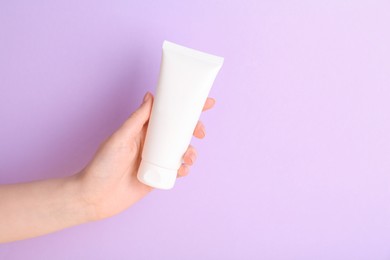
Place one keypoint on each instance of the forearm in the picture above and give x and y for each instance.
(36, 208)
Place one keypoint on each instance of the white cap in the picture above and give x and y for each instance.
(155, 176)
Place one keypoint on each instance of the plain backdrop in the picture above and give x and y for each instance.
(296, 162)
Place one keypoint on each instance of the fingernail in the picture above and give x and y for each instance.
(192, 158)
(186, 170)
(203, 132)
(146, 97)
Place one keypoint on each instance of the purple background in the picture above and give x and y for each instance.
(296, 163)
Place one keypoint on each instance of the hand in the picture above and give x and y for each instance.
(109, 182)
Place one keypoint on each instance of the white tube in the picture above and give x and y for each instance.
(186, 77)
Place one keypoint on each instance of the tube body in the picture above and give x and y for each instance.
(185, 80)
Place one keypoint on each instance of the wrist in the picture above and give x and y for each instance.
(85, 211)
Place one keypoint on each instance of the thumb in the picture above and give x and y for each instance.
(134, 124)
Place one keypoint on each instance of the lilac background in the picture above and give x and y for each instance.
(296, 164)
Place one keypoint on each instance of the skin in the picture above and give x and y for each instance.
(105, 187)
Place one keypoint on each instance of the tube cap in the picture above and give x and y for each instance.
(155, 176)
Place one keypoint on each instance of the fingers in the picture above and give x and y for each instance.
(188, 160)
(210, 102)
(200, 130)
(183, 170)
(133, 125)
(189, 156)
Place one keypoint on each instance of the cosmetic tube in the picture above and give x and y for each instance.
(185, 80)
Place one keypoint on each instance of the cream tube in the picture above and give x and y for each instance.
(186, 77)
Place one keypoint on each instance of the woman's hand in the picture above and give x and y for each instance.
(105, 187)
(109, 182)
